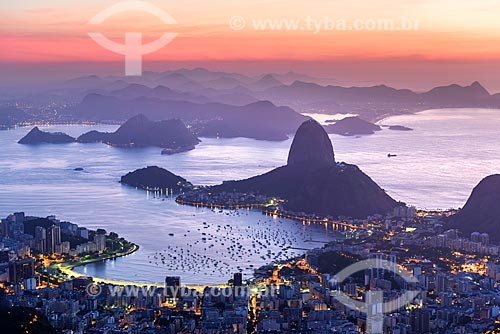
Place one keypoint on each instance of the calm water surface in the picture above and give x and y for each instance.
(437, 166)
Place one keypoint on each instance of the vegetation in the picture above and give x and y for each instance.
(22, 320)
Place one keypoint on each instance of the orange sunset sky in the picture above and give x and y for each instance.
(456, 41)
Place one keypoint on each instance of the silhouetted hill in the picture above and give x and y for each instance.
(481, 213)
(259, 120)
(135, 91)
(352, 126)
(311, 147)
(376, 102)
(311, 92)
(313, 183)
(179, 82)
(207, 98)
(266, 82)
(153, 177)
(290, 77)
(36, 136)
(456, 93)
(237, 96)
(224, 82)
(139, 131)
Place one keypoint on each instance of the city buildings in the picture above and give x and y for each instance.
(456, 279)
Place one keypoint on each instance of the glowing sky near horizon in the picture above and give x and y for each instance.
(54, 31)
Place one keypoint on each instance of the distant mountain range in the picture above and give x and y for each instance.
(299, 92)
(222, 104)
(259, 120)
(374, 103)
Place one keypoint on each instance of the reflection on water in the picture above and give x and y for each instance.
(437, 166)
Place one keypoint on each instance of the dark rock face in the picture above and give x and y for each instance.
(139, 131)
(36, 136)
(352, 126)
(154, 177)
(342, 190)
(322, 187)
(481, 213)
(311, 147)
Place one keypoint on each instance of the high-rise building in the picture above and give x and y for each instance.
(485, 239)
(17, 217)
(173, 286)
(100, 241)
(65, 246)
(83, 232)
(475, 236)
(441, 283)
(420, 321)
(40, 239)
(53, 238)
(19, 270)
(381, 267)
(5, 228)
(238, 279)
(14, 227)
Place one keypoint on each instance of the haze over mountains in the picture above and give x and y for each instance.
(222, 104)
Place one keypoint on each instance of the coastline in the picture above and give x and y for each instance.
(67, 267)
(385, 117)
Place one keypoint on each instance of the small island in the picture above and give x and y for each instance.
(399, 128)
(156, 178)
(139, 131)
(352, 126)
(37, 136)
